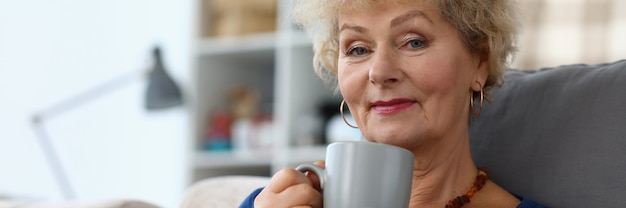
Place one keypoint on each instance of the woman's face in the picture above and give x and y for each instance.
(405, 73)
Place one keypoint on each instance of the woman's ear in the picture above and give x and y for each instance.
(482, 71)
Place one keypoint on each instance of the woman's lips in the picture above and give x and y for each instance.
(392, 106)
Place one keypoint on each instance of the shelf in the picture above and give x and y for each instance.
(232, 159)
(248, 43)
(299, 155)
(240, 44)
(278, 65)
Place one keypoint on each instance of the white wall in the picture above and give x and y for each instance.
(111, 147)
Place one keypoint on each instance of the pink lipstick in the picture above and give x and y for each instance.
(392, 106)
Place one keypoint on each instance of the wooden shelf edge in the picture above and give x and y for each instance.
(232, 159)
(236, 44)
(248, 43)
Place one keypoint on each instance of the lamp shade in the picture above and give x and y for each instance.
(162, 91)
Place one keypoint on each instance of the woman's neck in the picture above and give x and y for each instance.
(442, 172)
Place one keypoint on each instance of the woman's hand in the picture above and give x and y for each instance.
(290, 188)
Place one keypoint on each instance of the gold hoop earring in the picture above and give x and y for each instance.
(343, 116)
(480, 107)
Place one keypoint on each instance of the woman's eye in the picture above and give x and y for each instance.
(357, 51)
(416, 43)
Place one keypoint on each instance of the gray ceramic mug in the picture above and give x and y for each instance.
(364, 175)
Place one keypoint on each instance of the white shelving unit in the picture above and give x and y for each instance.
(279, 65)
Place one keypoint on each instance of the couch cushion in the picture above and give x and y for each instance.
(557, 135)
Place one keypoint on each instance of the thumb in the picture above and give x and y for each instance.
(320, 163)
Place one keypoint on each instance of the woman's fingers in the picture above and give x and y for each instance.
(301, 194)
(289, 188)
(286, 178)
(314, 177)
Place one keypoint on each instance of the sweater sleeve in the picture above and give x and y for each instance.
(528, 203)
(249, 201)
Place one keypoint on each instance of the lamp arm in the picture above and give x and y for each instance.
(55, 110)
(89, 94)
(52, 158)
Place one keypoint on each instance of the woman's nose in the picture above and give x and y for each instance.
(384, 70)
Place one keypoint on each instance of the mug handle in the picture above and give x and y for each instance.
(320, 172)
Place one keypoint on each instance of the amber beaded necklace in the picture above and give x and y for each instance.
(481, 179)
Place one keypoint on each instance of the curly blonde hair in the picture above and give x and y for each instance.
(486, 26)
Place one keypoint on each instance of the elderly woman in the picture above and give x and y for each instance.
(410, 71)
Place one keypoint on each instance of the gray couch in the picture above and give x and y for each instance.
(557, 135)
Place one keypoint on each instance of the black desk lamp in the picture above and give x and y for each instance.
(161, 93)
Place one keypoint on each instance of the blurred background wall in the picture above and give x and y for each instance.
(557, 32)
(110, 146)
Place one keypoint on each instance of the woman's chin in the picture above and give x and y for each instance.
(395, 141)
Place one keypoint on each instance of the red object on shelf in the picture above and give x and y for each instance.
(218, 133)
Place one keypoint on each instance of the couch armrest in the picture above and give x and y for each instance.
(224, 191)
(114, 203)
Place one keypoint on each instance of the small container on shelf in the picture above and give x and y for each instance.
(251, 130)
